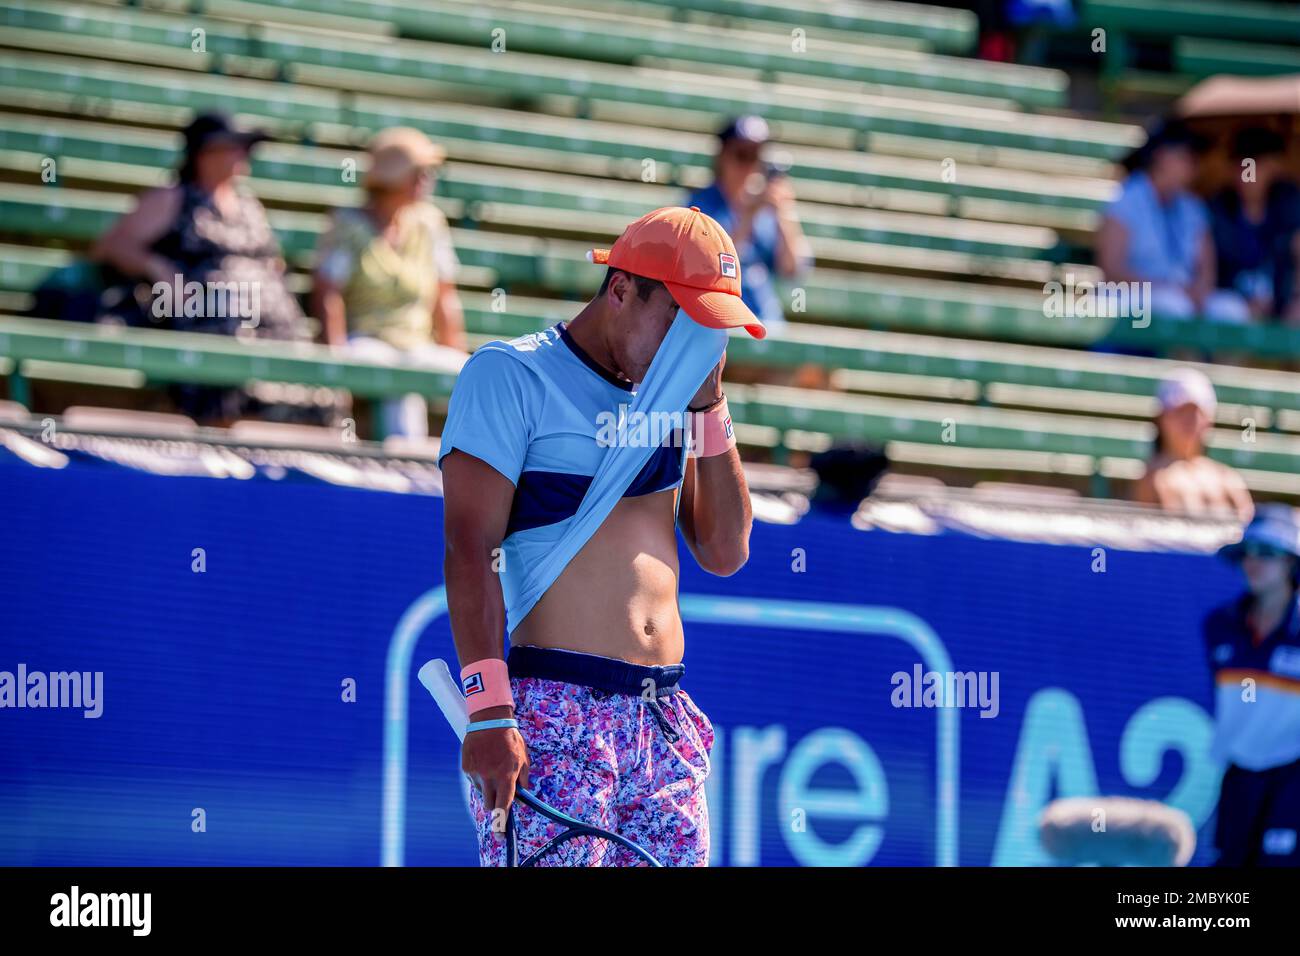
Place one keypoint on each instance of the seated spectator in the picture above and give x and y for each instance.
(208, 230)
(1256, 225)
(1179, 476)
(754, 202)
(385, 284)
(1158, 232)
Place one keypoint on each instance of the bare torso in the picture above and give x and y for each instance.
(1196, 486)
(618, 596)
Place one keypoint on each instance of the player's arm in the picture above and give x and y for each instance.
(477, 501)
(714, 513)
(484, 443)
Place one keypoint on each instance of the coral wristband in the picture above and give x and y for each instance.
(712, 432)
(486, 683)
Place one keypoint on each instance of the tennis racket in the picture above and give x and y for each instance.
(576, 843)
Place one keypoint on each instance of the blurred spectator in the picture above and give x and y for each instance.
(385, 284)
(205, 233)
(1035, 23)
(1256, 225)
(1058, 13)
(1257, 725)
(1179, 475)
(1017, 30)
(1157, 231)
(754, 201)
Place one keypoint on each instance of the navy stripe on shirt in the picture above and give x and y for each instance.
(546, 497)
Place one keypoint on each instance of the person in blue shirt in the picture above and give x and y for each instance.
(587, 704)
(754, 202)
(1253, 643)
(1156, 233)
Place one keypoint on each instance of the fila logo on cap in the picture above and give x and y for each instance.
(694, 257)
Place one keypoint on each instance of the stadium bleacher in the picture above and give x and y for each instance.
(1244, 20)
(940, 195)
(1199, 57)
(1190, 31)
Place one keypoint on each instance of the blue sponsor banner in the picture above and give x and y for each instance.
(258, 642)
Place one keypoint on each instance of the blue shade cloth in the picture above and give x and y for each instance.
(535, 410)
(1164, 239)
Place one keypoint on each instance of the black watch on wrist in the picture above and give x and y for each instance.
(709, 407)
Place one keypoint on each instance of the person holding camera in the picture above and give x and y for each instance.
(754, 201)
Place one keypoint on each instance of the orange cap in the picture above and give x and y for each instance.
(694, 257)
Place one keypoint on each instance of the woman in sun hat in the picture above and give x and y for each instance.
(385, 282)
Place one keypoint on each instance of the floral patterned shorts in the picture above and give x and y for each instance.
(617, 761)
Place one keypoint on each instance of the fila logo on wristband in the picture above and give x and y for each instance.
(486, 683)
(712, 432)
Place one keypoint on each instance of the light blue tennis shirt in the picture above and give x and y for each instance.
(542, 412)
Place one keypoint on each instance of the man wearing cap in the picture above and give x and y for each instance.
(754, 202)
(1179, 475)
(385, 279)
(1253, 644)
(590, 705)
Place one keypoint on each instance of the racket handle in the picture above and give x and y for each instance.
(437, 680)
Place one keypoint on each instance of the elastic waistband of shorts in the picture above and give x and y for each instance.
(591, 670)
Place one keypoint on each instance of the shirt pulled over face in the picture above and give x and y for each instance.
(544, 417)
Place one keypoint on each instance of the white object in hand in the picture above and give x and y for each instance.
(437, 680)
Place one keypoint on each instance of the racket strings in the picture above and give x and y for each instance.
(573, 848)
(585, 850)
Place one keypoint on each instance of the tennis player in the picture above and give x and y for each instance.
(588, 711)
